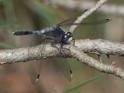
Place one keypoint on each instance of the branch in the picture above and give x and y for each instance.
(34, 53)
(26, 54)
(37, 52)
(84, 58)
(86, 14)
(100, 46)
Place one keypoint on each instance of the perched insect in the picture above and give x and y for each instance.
(56, 34)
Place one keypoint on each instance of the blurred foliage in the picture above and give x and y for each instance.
(6, 45)
(82, 83)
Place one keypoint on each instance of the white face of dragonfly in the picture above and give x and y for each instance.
(68, 37)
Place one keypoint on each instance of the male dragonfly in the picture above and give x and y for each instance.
(57, 34)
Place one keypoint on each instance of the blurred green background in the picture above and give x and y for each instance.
(16, 15)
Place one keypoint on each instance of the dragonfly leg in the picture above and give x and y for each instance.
(60, 48)
(54, 45)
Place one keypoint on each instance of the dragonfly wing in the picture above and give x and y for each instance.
(70, 20)
(98, 22)
(34, 71)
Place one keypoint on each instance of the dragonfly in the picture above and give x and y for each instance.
(57, 35)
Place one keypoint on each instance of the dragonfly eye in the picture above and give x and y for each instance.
(68, 37)
(68, 34)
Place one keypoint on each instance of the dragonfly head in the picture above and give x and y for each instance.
(67, 37)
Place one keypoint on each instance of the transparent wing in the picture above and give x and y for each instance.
(69, 22)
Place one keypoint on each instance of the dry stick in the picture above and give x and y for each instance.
(100, 46)
(86, 14)
(33, 53)
(84, 58)
(26, 54)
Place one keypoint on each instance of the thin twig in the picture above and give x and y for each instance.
(86, 14)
